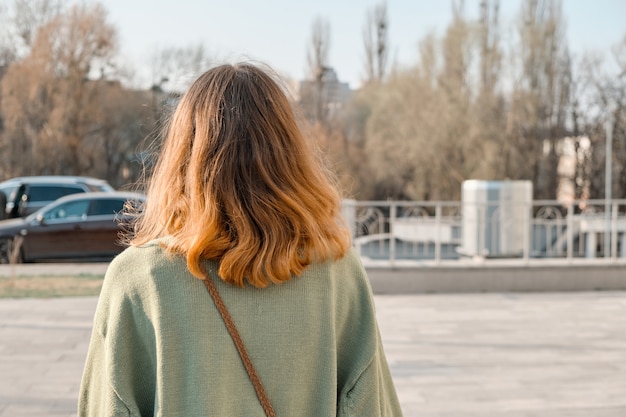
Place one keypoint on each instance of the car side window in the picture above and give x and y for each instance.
(9, 191)
(73, 210)
(106, 207)
(50, 193)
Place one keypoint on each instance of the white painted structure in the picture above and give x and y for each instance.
(496, 217)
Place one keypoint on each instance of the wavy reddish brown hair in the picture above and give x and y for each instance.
(236, 181)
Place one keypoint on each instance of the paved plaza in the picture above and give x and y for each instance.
(464, 355)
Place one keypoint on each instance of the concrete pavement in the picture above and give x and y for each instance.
(508, 355)
(463, 355)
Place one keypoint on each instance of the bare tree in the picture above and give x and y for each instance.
(605, 109)
(617, 107)
(8, 51)
(489, 44)
(173, 69)
(487, 113)
(376, 42)
(115, 144)
(179, 66)
(432, 126)
(314, 96)
(400, 144)
(49, 96)
(31, 15)
(318, 48)
(80, 44)
(19, 23)
(541, 96)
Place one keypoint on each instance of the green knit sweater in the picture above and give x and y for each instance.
(160, 348)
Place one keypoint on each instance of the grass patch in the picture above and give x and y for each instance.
(50, 286)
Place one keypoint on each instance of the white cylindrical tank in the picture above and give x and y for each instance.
(496, 217)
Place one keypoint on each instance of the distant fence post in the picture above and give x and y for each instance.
(570, 231)
(438, 233)
(393, 212)
(348, 212)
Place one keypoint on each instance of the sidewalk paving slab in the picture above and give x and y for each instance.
(451, 355)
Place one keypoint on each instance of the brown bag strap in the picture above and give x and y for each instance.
(241, 348)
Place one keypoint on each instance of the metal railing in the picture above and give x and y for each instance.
(414, 233)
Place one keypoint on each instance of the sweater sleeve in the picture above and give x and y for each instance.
(119, 374)
(97, 396)
(373, 394)
(369, 390)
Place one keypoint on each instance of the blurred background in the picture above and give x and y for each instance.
(407, 99)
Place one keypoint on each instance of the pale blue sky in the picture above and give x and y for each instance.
(277, 31)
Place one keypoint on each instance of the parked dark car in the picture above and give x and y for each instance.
(25, 195)
(79, 226)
